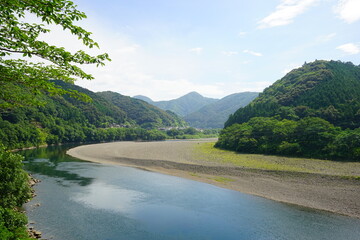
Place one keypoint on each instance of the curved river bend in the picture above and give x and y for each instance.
(88, 201)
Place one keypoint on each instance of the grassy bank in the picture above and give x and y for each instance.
(206, 152)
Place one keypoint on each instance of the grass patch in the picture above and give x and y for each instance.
(193, 174)
(357, 178)
(206, 152)
(223, 179)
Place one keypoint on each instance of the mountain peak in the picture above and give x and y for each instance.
(192, 95)
(144, 98)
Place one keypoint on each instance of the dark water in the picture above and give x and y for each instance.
(87, 201)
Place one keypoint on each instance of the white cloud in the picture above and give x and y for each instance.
(241, 34)
(285, 12)
(350, 48)
(348, 10)
(197, 50)
(257, 54)
(229, 53)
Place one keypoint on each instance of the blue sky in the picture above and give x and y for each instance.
(164, 49)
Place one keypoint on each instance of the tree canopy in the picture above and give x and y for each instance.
(20, 41)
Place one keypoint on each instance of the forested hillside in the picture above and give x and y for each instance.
(314, 111)
(214, 115)
(143, 113)
(63, 119)
(325, 89)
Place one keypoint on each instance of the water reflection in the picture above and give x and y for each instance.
(48, 161)
(100, 195)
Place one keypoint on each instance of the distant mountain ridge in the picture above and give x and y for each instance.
(215, 114)
(144, 98)
(202, 112)
(182, 106)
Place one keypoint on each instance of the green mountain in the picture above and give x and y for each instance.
(215, 114)
(326, 89)
(64, 119)
(184, 105)
(313, 111)
(143, 113)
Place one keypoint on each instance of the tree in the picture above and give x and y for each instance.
(19, 38)
(21, 81)
(15, 191)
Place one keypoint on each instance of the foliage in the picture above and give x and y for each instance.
(308, 137)
(191, 133)
(18, 37)
(15, 190)
(325, 89)
(144, 114)
(14, 186)
(64, 120)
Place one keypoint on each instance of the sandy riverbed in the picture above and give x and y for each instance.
(319, 191)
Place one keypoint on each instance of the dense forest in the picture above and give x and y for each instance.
(143, 113)
(64, 119)
(314, 111)
(310, 137)
(325, 89)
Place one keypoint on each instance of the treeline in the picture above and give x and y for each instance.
(23, 134)
(309, 137)
(191, 133)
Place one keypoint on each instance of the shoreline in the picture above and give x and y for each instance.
(312, 190)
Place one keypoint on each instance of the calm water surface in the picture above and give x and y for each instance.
(88, 201)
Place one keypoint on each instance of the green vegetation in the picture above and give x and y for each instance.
(326, 89)
(19, 38)
(24, 83)
(312, 112)
(191, 133)
(143, 113)
(15, 190)
(215, 114)
(65, 120)
(308, 137)
(207, 152)
(223, 179)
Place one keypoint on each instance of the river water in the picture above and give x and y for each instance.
(88, 201)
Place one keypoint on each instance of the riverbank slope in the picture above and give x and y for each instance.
(318, 184)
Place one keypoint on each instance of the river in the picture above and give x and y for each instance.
(80, 200)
